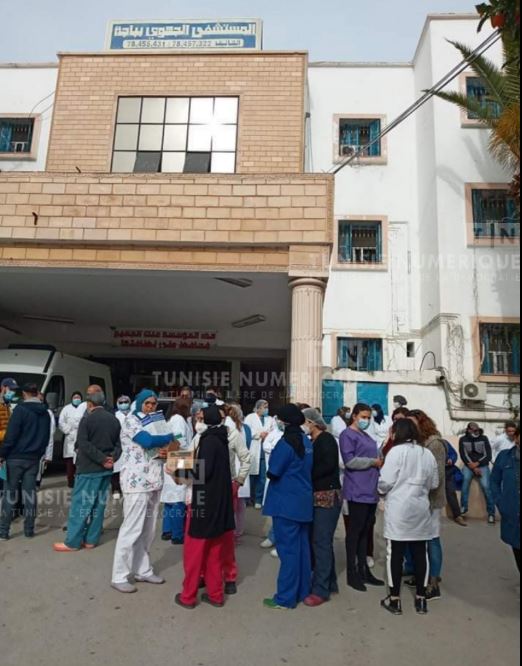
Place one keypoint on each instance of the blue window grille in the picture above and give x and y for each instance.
(495, 214)
(356, 135)
(360, 354)
(360, 242)
(16, 135)
(478, 92)
(500, 348)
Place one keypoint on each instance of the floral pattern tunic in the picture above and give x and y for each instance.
(141, 472)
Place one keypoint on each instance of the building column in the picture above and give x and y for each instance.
(307, 340)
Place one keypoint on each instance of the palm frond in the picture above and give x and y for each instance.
(487, 70)
(484, 114)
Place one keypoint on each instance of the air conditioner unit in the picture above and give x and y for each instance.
(474, 392)
(349, 151)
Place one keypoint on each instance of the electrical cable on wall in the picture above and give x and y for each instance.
(451, 76)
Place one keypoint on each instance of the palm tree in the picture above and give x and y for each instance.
(500, 112)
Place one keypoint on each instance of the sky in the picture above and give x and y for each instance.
(371, 30)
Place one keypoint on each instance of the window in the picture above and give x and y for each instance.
(16, 135)
(360, 354)
(500, 349)
(495, 214)
(176, 135)
(356, 134)
(410, 350)
(360, 242)
(55, 391)
(477, 91)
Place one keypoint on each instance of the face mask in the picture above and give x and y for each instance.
(76, 402)
(266, 413)
(9, 396)
(397, 405)
(375, 414)
(97, 399)
(475, 435)
(281, 426)
(363, 424)
(123, 406)
(306, 430)
(201, 428)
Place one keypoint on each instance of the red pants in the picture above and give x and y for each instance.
(203, 555)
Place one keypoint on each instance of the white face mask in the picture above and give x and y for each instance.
(306, 430)
(201, 427)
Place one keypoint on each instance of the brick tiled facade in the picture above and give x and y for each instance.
(271, 88)
(263, 222)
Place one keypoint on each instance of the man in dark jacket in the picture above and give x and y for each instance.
(98, 448)
(477, 454)
(25, 444)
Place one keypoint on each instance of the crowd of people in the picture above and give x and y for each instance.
(204, 462)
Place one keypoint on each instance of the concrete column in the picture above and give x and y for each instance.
(307, 339)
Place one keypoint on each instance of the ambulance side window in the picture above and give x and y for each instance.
(57, 387)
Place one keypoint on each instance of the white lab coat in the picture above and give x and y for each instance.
(173, 493)
(122, 417)
(379, 432)
(337, 427)
(502, 443)
(409, 474)
(69, 422)
(257, 426)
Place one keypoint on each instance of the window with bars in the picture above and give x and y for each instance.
(477, 91)
(16, 135)
(360, 242)
(500, 348)
(359, 134)
(176, 135)
(360, 354)
(495, 214)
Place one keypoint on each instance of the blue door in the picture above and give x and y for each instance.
(333, 398)
(373, 393)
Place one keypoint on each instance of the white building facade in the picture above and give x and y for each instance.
(422, 293)
(423, 298)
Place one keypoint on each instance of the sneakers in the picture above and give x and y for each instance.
(258, 507)
(492, 520)
(151, 580)
(313, 601)
(421, 606)
(274, 554)
(4, 538)
(434, 593)
(230, 589)
(271, 604)
(179, 602)
(166, 536)
(117, 497)
(178, 542)
(124, 588)
(266, 544)
(205, 599)
(393, 606)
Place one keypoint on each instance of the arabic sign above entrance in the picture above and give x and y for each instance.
(142, 338)
(233, 35)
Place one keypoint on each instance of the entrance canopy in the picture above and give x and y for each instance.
(83, 312)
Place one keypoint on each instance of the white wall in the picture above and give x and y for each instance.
(28, 90)
(434, 284)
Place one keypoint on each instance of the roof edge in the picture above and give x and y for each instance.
(333, 64)
(29, 65)
(195, 52)
(471, 16)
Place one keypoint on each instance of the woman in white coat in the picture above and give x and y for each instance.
(68, 423)
(174, 495)
(409, 475)
(261, 424)
(144, 438)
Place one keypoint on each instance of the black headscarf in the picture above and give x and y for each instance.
(294, 418)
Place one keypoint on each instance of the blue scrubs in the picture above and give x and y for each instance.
(290, 504)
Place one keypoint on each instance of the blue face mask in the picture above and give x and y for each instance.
(266, 412)
(123, 406)
(363, 424)
(9, 396)
(76, 402)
